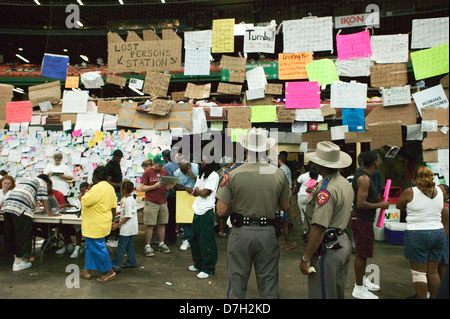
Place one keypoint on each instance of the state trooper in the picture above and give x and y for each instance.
(327, 253)
(253, 192)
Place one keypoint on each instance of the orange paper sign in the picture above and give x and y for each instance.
(72, 82)
(291, 66)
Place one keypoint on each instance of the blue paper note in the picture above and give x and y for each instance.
(55, 66)
(354, 118)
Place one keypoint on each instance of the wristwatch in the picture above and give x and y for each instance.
(305, 260)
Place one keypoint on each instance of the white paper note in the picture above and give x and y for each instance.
(306, 35)
(256, 78)
(75, 101)
(198, 39)
(390, 48)
(348, 95)
(428, 33)
(414, 132)
(197, 61)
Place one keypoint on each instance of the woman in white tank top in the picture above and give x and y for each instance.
(424, 238)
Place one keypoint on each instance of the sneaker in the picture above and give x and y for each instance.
(76, 252)
(185, 245)
(192, 268)
(23, 265)
(61, 251)
(164, 249)
(370, 285)
(149, 251)
(202, 275)
(361, 292)
(70, 247)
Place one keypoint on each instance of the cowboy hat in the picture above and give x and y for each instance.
(256, 140)
(329, 155)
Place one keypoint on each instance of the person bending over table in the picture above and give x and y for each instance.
(18, 210)
(98, 207)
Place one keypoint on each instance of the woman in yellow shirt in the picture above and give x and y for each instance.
(98, 206)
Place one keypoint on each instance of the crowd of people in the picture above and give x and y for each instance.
(337, 214)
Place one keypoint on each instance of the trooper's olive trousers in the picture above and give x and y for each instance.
(258, 246)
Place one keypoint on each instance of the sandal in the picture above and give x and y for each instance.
(107, 278)
(86, 277)
(291, 245)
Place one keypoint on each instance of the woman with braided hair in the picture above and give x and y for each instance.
(424, 238)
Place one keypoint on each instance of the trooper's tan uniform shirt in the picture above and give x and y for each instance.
(253, 190)
(253, 193)
(331, 210)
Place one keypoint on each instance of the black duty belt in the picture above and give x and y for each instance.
(238, 220)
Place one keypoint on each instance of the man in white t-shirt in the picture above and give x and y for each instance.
(203, 242)
(60, 174)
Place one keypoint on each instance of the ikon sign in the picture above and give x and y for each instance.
(363, 19)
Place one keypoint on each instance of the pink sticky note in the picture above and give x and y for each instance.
(76, 133)
(144, 139)
(302, 95)
(18, 112)
(356, 45)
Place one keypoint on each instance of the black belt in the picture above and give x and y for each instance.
(238, 220)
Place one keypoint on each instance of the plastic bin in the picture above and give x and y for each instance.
(394, 232)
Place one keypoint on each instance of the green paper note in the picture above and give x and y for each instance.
(322, 71)
(264, 114)
(430, 62)
(235, 132)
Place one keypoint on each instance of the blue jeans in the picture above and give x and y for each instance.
(125, 245)
(187, 231)
(421, 246)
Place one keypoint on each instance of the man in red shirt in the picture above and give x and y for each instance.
(155, 209)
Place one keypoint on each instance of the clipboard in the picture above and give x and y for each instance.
(169, 180)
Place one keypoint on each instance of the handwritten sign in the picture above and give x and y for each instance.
(18, 112)
(291, 66)
(354, 67)
(322, 71)
(72, 82)
(356, 45)
(302, 95)
(396, 95)
(156, 83)
(348, 95)
(233, 63)
(259, 39)
(196, 61)
(55, 66)
(227, 88)
(430, 62)
(201, 91)
(388, 75)
(223, 35)
(160, 107)
(75, 101)
(428, 33)
(264, 113)
(198, 39)
(151, 53)
(354, 119)
(117, 80)
(390, 48)
(50, 91)
(308, 35)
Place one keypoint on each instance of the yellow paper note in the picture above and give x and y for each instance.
(264, 113)
(223, 35)
(430, 62)
(291, 66)
(322, 71)
(184, 211)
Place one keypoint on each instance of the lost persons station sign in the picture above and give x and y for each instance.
(150, 53)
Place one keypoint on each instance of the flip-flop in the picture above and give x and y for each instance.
(291, 245)
(103, 278)
(86, 277)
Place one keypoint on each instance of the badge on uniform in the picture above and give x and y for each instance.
(322, 197)
(224, 180)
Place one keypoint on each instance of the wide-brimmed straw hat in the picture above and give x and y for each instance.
(329, 155)
(257, 140)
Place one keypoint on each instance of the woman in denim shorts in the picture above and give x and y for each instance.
(424, 239)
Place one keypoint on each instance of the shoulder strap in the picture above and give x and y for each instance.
(325, 183)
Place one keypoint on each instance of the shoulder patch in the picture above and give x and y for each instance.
(224, 180)
(322, 197)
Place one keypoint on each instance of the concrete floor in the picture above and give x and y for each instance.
(166, 276)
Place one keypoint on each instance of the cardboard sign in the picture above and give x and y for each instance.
(302, 95)
(181, 116)
(227, 88)
(285, 115)
(151, 53)
(178, 96)
(160, 107)
(156, 84)
(396, 95)
(388, 75)
(18, 112)
(356, 45)
(435, 140)
(223, 35)
(386, 134)
(117, 80)
(315, 137)
(405, 114)
(109, 106)
(274, 89)
(45, 92)
(233, 63)
(439, 114)
(357, 137)
(291, 66)
(201, 91)
(55, 66)
(239, 118)
(6, 90)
